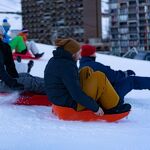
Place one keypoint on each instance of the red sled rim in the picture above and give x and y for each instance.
(28, 55)
(29, 98)
(66, 113)
(33, 99)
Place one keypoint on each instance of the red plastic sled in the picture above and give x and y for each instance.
(65, 113)
(31, 99)
(28, 55)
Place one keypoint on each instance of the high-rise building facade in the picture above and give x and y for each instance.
(129, 25)
(48, 19)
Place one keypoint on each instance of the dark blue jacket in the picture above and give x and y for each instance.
(7, 66)
(113, 76)
(62, 82)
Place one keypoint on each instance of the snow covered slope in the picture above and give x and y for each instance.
(11, 6)
(36, 128)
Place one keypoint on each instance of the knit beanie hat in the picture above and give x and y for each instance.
(68, 44)
(5, 23)
(87, 50)
(2, 31)
(24, 30)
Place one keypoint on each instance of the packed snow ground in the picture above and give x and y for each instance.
(14, 19)
(36, 128)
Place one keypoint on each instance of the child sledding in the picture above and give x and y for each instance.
(66, 86)
(20, 44)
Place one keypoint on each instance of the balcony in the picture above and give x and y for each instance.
(142, 23)
(114, 24)
(115, 37)
(132, 3)
(148, 36)
(123, 5)
(115, 44)
(124, 11)
(132, 10)
(133, 43)
(133, 30)
(123, 30)
(123, 24)
(114, 30)
(132, 24)
(114, 19)
(142, 9)
(124, 43)
(142, 29)
(142, 2)
(133, 36)
(124, 37)
(143, 36)
(132, 17)
(123, 18)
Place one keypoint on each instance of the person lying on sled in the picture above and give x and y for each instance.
(10, 80)
(20, 43)
(92, 90)
(122, 81)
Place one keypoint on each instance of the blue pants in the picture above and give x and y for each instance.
(125, 85)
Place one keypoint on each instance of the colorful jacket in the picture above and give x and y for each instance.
(6, 38)
(62, 82)
(24, 35)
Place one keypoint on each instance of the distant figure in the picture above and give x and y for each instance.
(20, 42)
(10, 79)
(6, 27)
(30, 44)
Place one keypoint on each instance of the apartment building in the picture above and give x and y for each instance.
(129, 25)
(48, 19)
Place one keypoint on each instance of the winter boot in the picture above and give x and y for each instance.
(38, 55)
(119, 109)
(30, 65)
(18, 58)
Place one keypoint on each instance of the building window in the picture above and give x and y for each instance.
(132, 16)
(123, 30)
(133, 36)
(124, 43)
(123, 17)
(113, 1)
(124, 37)
(113, 6)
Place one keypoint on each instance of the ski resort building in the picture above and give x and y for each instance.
(130, 25)
(48, 19)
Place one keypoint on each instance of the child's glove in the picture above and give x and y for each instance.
(100, 112)
(129, 73)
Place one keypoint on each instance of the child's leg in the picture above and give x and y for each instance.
(125, 85)
(32, 83)
(32, 47)
(97, 86)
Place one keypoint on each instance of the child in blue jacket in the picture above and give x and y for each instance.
(122, 81)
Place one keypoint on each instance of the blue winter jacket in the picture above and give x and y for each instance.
(7, 66)
(113, 76)
(62, 82)
(6, 38)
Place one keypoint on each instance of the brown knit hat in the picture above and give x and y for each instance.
(69, 45)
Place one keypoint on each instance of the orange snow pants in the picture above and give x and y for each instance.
(97, 86)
